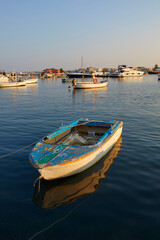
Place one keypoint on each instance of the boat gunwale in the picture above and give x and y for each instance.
(65, 127)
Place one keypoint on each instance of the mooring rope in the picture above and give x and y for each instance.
(6, 155)
(61, 219)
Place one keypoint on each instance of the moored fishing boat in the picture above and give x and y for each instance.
(85, 85)
(74, 147)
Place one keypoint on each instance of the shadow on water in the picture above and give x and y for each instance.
(51, 194)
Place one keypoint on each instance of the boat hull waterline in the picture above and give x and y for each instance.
(60, 160)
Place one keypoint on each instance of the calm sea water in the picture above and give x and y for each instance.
(118, 198)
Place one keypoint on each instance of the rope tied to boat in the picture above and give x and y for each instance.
(6, 155)
(39, 181)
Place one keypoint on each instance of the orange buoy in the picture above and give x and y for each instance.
(95, 80)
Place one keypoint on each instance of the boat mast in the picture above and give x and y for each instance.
(82, 66)
(82, 62)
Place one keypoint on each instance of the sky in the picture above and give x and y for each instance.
(38, 34)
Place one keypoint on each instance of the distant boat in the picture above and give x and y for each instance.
(86, 75)
(47, 75)
(159, 76)
(74, 147)
(31, 81)
(154, 71)
(5, 82)
(87, 85)
(125, 71)
(66, 80)
(79, 75)
(12, 84)
(101, 74)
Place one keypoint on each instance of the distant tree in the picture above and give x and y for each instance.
(156, 66)
(61, 70)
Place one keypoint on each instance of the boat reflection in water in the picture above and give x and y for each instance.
(51, 194)
(84, 94)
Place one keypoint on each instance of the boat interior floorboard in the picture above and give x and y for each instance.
(82, 135)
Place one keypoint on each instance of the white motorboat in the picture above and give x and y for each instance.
(49, 75)
(12, 84)
(87, 85)
(31, 81)
(6, 82)
(125, 71)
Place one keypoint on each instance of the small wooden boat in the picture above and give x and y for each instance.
(87, 85)
(74, 147)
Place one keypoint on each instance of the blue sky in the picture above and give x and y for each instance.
(36, 34)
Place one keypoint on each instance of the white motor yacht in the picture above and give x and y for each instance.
(125, 71)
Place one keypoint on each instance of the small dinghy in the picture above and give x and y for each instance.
(74, 147)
